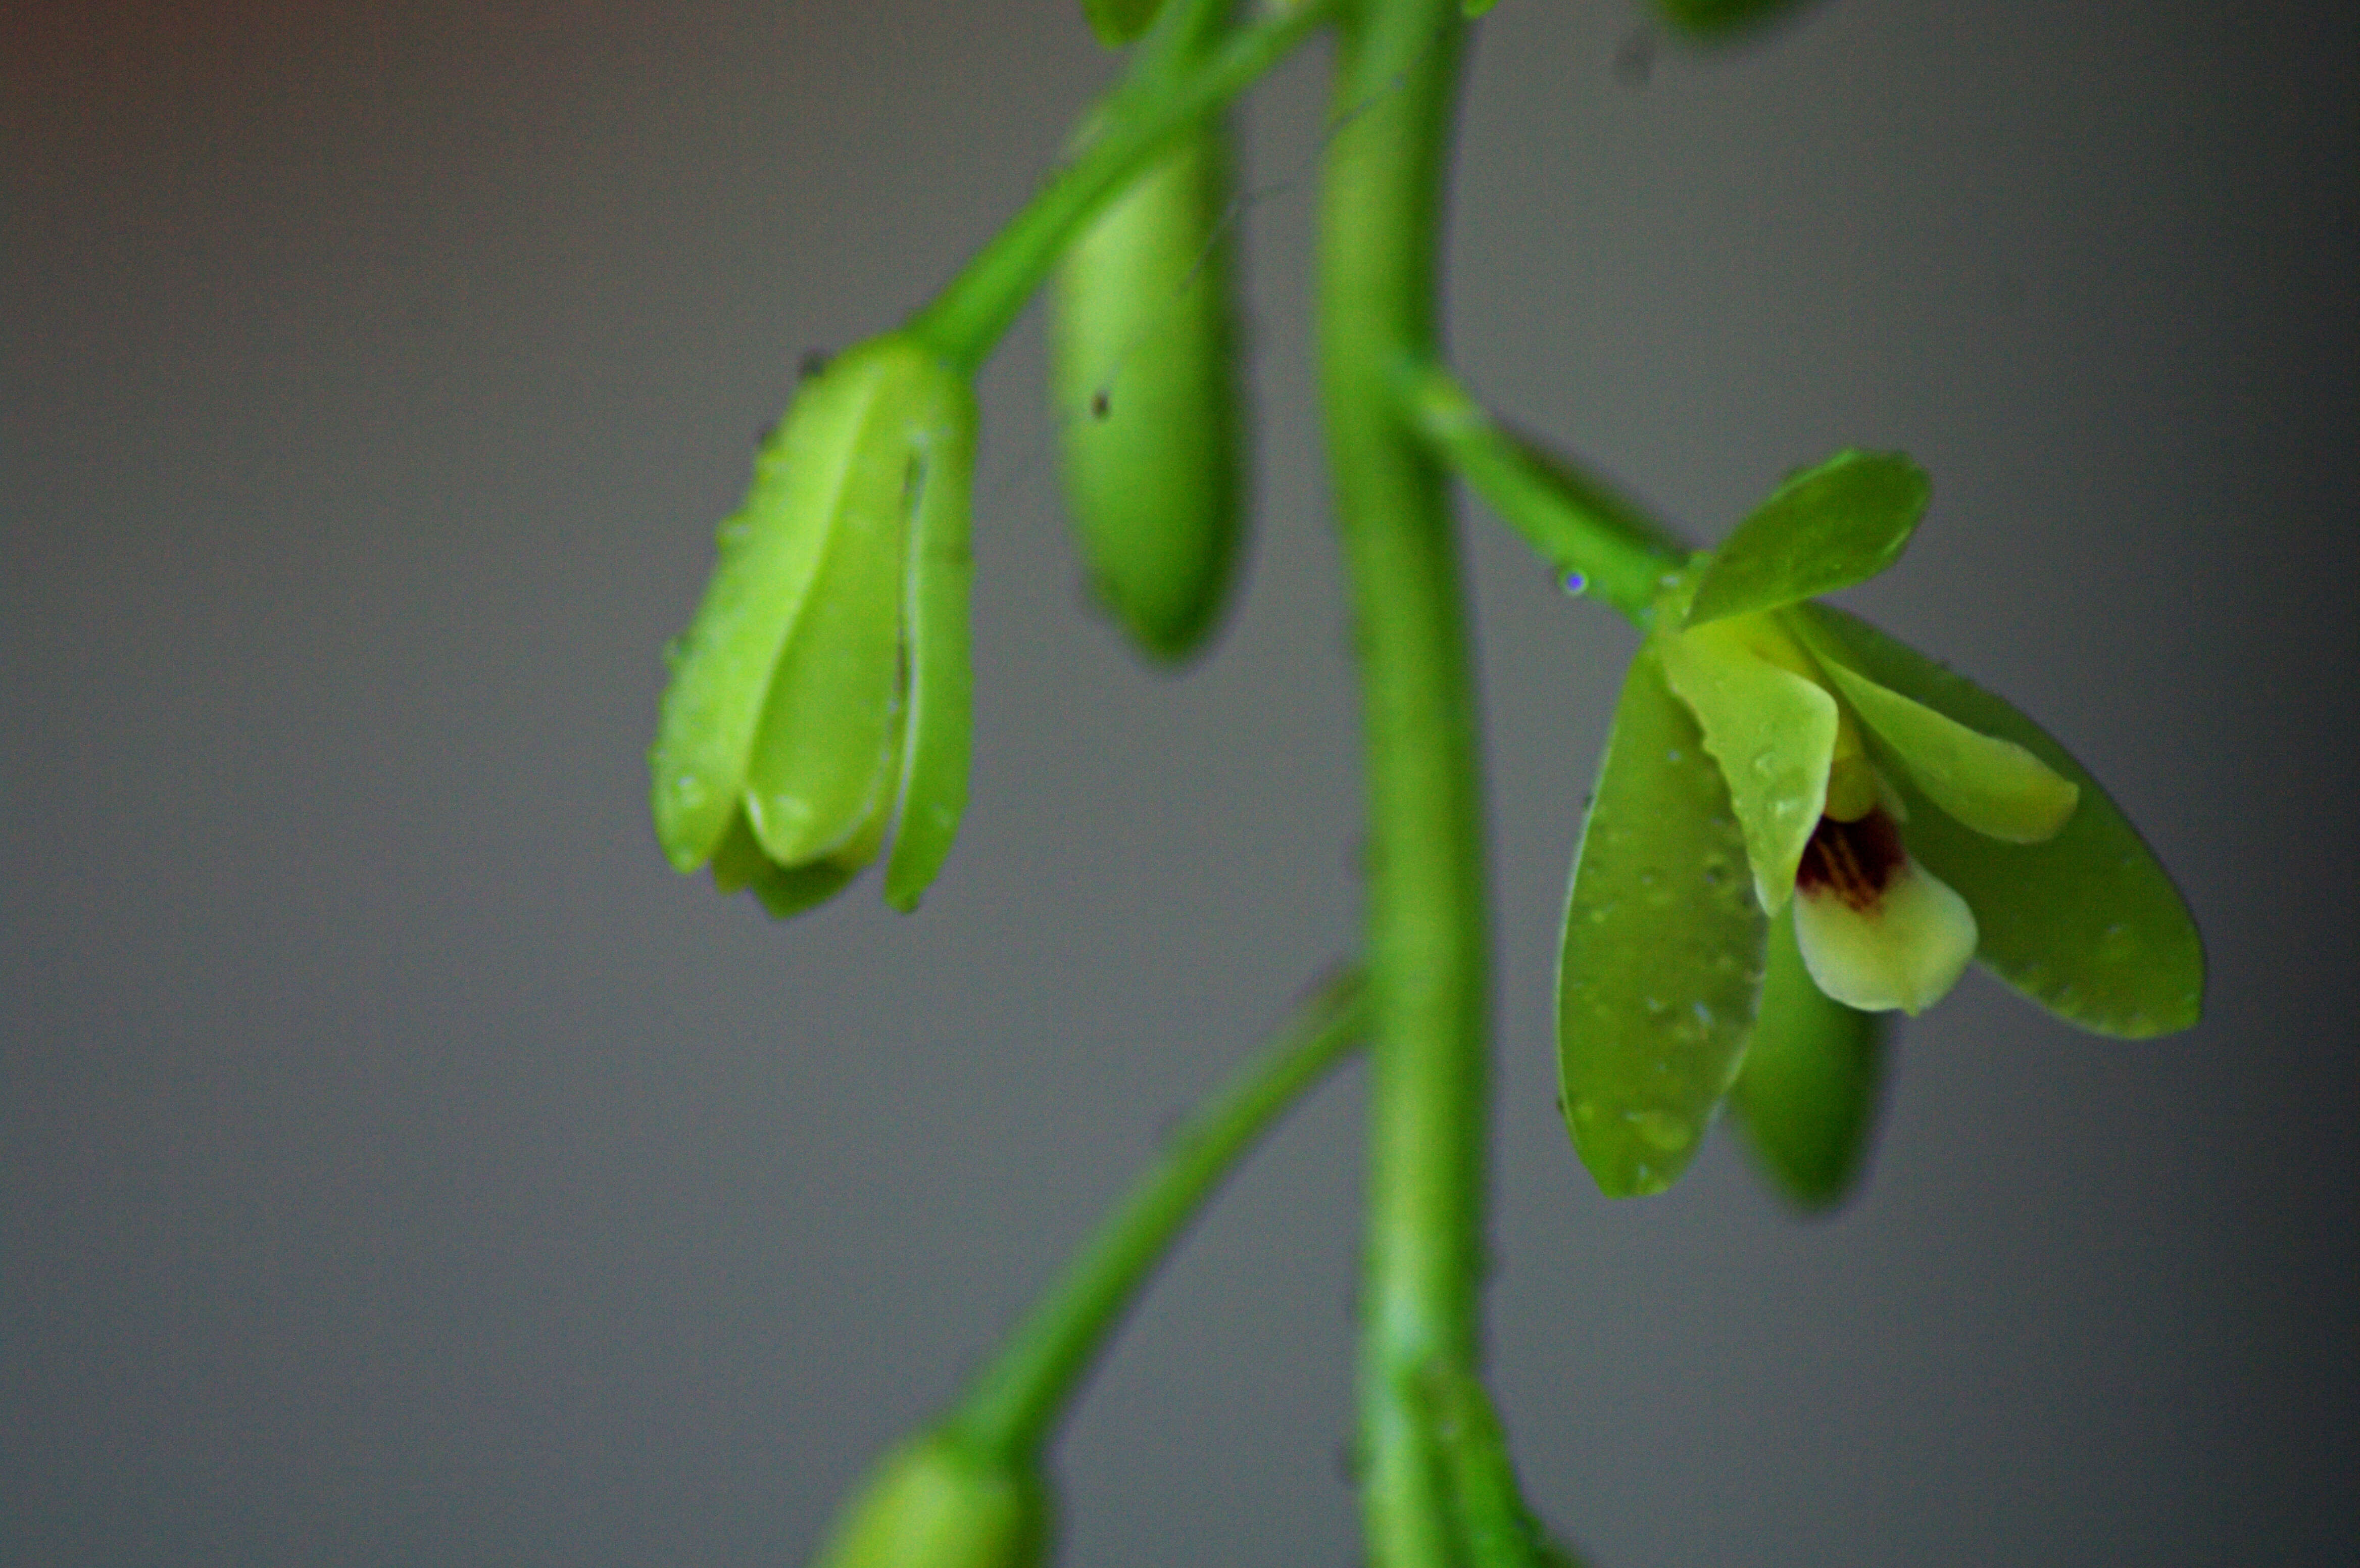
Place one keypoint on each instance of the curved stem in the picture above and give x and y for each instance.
(1380, 241)
(1573, 519)
(966, 319)
(1013, 1404)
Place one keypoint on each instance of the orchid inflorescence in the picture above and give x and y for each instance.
(1801, 826)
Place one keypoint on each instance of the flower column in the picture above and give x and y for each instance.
(1380, 240)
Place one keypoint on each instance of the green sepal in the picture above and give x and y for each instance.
(1661, 950)
(1773, 731)
(1992, 785)
(1120, 22)
(822, 693)
(2088, 925)
(1149, 397)
(1805, 1101)
(1826, 528)
(820, 768)
(1710, 20)
(783, 891)
(769, 551)
(935, 750)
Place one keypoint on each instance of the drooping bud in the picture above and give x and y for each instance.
(819, 699)
(1145, 384)
(939, 1502)
(1806, 1098)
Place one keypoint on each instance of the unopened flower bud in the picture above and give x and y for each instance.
(1145, 382)
(939, 1502)
(819, 700)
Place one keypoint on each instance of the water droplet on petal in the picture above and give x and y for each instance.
(1574, 583)
(1662, 1131)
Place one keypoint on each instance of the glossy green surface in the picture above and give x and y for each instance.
(821, 767)
(2088, 924)
(939, 719)
(1992, 785)
(1825, 528)
(739, 865)
(819, 460)
(1774, 734)
(1661, 951)
(1806, 1100)
(823, 682)
(1148, 400)
(1579, 525)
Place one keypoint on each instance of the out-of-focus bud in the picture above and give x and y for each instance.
(1712, 20)
(938, 1502)
(1119, 22)
(820, 698)
(1145, 383)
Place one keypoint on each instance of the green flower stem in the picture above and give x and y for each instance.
(1576, 521)
(966, 319)
(1014, 1403)
(1380, 241)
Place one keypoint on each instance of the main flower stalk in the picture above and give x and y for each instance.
(1380, 242)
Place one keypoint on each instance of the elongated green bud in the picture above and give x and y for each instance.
(1145, 382)
(820, 696)
(939, 1502)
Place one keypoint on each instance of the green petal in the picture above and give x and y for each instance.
(1773, 733)
(1662, 945)
(1995, 786)
(821, 759)
(769, 551)
(1826, 528)
(1806, 1099)
(934, 770)
(2088, 924)
(738, 864)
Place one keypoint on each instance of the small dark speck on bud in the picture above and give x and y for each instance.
(1100, 404)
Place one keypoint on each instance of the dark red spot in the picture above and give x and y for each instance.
(1856, 860)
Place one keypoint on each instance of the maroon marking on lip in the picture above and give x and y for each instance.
(1855, 861)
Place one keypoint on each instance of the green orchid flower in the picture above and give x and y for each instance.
(820, 698)
(1775, 758)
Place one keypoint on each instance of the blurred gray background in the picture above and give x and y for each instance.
(398, 1165)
